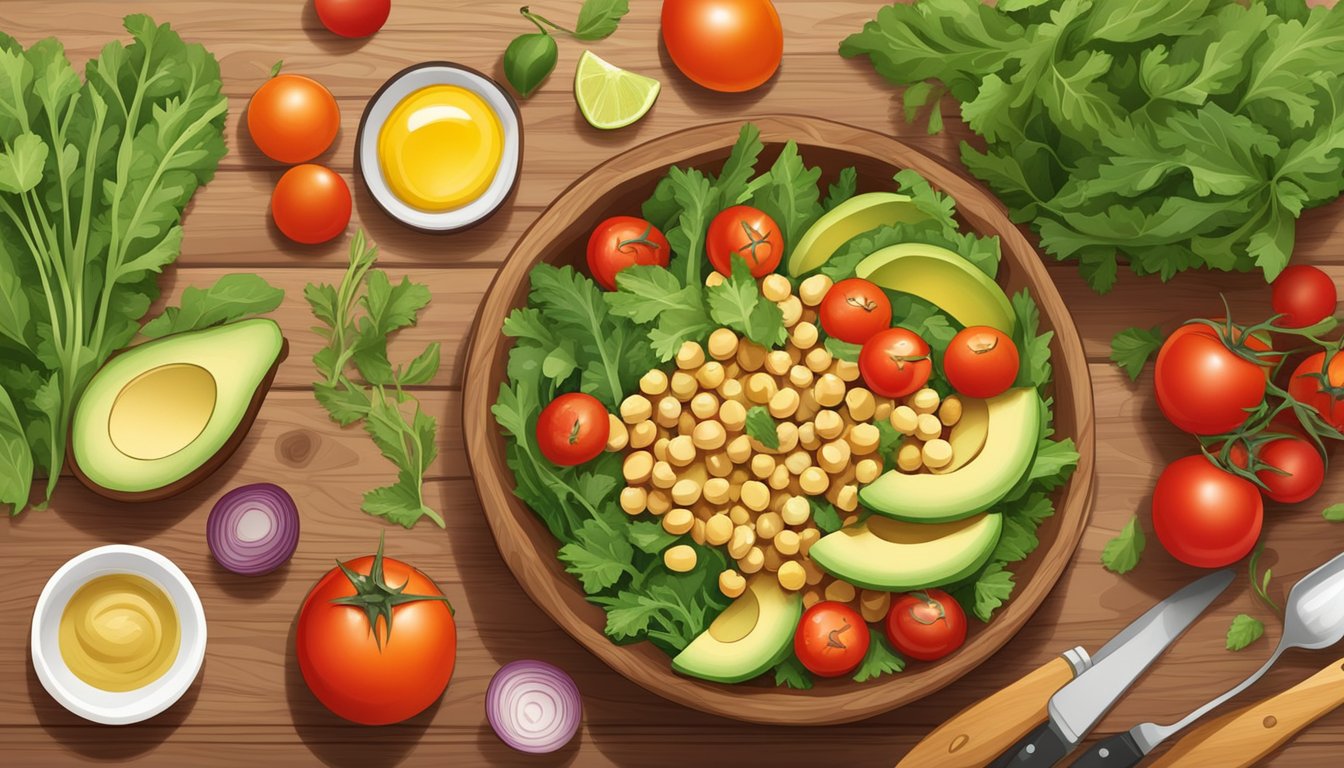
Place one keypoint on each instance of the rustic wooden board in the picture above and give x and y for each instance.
(249, 704)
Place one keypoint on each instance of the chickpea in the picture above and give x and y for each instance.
(847, 500)
(784, 404)
(659, 502)
(787, 542)
(882, 411)
(937, 454)
(669, 411)
(750, 355)
(928, 427)
(709, 436)
(718, 530)
(924, 401)
(739, 476)
(795, 354)
(792, 576)
(818, 360)
(850, 520)
(847, 370)
(760, 388)
(680, 558)
(714, 279)
(739, 515)
(731, 389)
(755, 495)
(637, 467)
(660, 448)
(731, 583)
(796, 511)
(813, 289)
(773, 559)
(792, 308)
(909, 458)
(663, 476)
(814, 481)
(829, 390)
(904, 419)
(636, 408)
(864, 439)
(867, 471)
(809, 315)
(806, 539)
(840, 591)
(722, 344)
(634, 500)
(716, 491)
(779, 479)
(680, 451)
(797, 461)
(800, 377)
(776, 287)
(678, 521)
(814, 575)
(698, 532)
(690, 356)
(807, 436)
(804, 335)
(686, 423)
(704, 405)
(718, 464)
(950, 411)
(762, 465)
(617, 435)
(778, 362)
(710, 375)
(828, 424)
(731, 370)
(739, 449)
(811, 597)
(769, 525)
(643, 434)
(753, 561)
(787, 434)
(733, 415)
(860, 404)
(686, 492)
(873, 605)
(833, 456)
(807, 407)
(683, 386)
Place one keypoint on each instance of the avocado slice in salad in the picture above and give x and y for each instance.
(1010, 443)
(896, 556)
(752, 635)
(161, 416)
(944, 279)
(846, 221)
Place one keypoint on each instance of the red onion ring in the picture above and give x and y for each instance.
(253, 529)
(533, 706)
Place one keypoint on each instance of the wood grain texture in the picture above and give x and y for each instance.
(250, 708)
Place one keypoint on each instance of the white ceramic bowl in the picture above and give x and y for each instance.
(403, 84)
(108, 707)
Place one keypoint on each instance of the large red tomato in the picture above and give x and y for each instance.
(376, 640)
(1205, 516)
(1202, 386)
(724, 45)
(1307, 386)
(293, 118)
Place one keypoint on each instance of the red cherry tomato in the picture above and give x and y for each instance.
(981, 362)
(747, 233)
(353, 18)
(854, 310)
(926, 625)
(1302, 466)
(724, 45)
(1202, 386)
(1205, 516)
(311, 204)
(1304, 296)
(624, 241)
(895, 362)
(293, 118)
(831, 639)
(1306, 386)
(573, 429)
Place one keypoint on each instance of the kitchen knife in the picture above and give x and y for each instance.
(1246, 736)
(1077, 707)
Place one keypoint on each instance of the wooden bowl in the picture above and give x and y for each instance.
(618, 186)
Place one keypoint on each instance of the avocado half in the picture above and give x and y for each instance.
(752, 635)
(857, 215)
(944, 279)
(159, 417)
(895, 556)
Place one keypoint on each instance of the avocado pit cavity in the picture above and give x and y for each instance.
(161, 411)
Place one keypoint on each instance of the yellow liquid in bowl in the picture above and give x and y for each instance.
(440, 148)
(119, 633)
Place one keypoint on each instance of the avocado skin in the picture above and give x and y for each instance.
(207, 468)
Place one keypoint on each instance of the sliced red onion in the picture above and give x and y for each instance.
(253, 529)
(533, 706)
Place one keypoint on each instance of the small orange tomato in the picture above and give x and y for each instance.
(724, 45)
(293, 118)
(311, 204)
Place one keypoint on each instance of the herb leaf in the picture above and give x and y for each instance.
(880, 660)
(1123, 551)
(791, 673)
(1243, 631)
(1334, 513)
(737, 304)
(1131, 348)
(825, 515)
(232, 297)
(761, 427)
(788, 193)
(599, 18)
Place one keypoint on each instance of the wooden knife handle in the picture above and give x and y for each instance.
(1246, 736)
(979, 733)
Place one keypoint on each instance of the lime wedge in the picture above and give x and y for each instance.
(609, 97)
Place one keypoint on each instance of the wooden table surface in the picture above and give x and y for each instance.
(250, 704)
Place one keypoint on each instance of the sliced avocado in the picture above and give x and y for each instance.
(944, 279)
(160, 416)
(895, 556)
(749, 637)
(968, 436)
(846, 221)
(1014, 427)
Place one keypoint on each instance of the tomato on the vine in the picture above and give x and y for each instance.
(572, 429)
(895, 362)
(747, 233)
(831, 639)
(1203, 386)
(926, 625)
(1301, 469)
(1308, 386)
(1205, 516)
(854, 310)
(624, 241)
(1304, 295)
(981, 362)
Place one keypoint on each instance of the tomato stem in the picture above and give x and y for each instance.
(754, 240)
(376, 598)
(641, 240)
(539, 20)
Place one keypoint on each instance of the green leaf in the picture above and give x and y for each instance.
(788, 194)
(791, 673)
(649, 537)
(1033, 348)
(276, 67)
(1131, 348)
(914, 99)
(824, 515)
(529, 60)
(645, 292)
(697, 201)
(843, 189)
(599, 18)
(880, 660)
(843, 350)
(733, 184)
(761, 427)
(16, 460)
(991, 590)
(230, 298)
(21, 163)
(737, 304)
(598, 556)
(1334, 513)
(1123, 551)
(1243, 631)
(1132, 21)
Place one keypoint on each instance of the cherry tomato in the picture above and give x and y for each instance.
(624, 241)
(1205, 516)
(293, 118)
(1202, 386)
(1302, 463)
(1306, 387)
(747, 233)
(573, 429)
(981, 362)
(353, 18)
(383, 670)
(855, 309)
(926, 625)
(1304, 296)
(311, 204)
(724, 45)
(831, 639)
(895, 362)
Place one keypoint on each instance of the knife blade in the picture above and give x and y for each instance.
(1077, 707)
